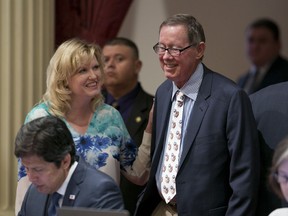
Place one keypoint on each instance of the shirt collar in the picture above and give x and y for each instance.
(125, 99)
(262, 69)
(63, 187)
(191, 87)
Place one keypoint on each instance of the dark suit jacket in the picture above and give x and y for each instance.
(270, 107)
(91, 188)
(278, 72)
(219, 166)
(140, 110)
(136, 125)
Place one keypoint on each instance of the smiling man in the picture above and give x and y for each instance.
(46, 149)
(204, 149)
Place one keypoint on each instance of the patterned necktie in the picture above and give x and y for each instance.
(54, 203)
(171, 155)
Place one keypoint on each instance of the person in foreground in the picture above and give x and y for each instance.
(207, 161)
(74, 83)
(278, 178)
(123, 91)
(47, 152)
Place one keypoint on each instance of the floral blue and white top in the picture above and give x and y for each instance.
(106, 145)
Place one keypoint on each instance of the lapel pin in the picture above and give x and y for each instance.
(138, 119)
(72, 197)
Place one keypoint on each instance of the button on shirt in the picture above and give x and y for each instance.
(190, 90)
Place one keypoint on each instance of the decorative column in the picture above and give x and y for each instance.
(26, 46)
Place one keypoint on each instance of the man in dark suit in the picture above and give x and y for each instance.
(124, 92)
(270, 108)
(218, 169)
(263, 46)
(46, 149)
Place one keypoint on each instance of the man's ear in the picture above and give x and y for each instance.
(200, 49)
(138, 66)
(66, 161)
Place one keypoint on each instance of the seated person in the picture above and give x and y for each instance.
(278, 178)
(46, 149)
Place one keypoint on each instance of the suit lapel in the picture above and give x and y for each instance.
(163, 106)
(199, 109)
(137, 116)
(193, 126)
(164, 103)
(47, 202)
(73, 188)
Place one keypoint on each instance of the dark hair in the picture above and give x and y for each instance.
(194, 28)
(47, 137)
(279, 156)
(126, 42)
(268, 24)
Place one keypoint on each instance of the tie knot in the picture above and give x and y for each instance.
(54, 203)
(180, 96)
(55, 198)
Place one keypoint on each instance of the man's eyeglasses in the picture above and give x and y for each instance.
(281, 178)
(172, 51)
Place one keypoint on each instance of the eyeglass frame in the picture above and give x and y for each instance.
(175, 49)
(284, 178)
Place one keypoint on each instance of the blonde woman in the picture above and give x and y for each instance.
(74, 82)
(278, 178)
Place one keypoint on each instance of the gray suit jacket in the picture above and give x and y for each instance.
(219, 166)
(91, 188)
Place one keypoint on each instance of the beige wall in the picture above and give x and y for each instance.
(224, 23)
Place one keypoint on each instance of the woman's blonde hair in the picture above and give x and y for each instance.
(280, 155)
(69, 56)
